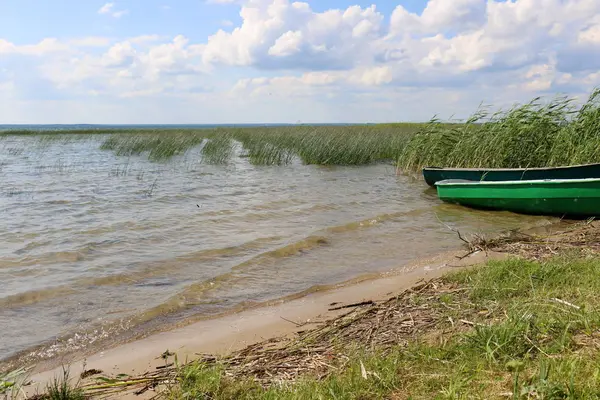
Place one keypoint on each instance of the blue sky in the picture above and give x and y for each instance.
(221, 61)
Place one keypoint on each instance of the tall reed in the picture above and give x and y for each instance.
(159, 146)
(217, 150)
(534, 134)
(325, 145)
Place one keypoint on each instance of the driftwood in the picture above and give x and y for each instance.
(362, 303)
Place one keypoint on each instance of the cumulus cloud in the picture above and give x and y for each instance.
(137, 66)
(281, 34)
(533, 46)
(453, 38)
(43, 47)
(285, 49)
(109, 9)
(440, 16)
(366, 77)
(287, 44)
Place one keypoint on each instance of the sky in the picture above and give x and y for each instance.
(283, 61)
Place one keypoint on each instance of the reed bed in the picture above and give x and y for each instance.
(158, 146)
(339, 145)
(321, 145)
(536, 134)
(217, 150)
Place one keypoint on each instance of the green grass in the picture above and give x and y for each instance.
(323, 145)
(536, 134)
(543, 132)
(158, 146)
(515, 329)
(218, 150)
(532, 333)
(11, 384)
(61, 388)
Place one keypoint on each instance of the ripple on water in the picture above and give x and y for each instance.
(95, 252)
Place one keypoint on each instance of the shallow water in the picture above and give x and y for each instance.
(96, 245)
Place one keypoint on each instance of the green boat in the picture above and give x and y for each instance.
(436, 174)
(561, 197)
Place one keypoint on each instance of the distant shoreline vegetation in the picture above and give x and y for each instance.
(92, 128)
(261, 145)
(536, 134)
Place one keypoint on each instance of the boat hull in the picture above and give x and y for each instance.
(433, 174)
(576, 198)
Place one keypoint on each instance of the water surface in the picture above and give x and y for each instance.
(96, 245)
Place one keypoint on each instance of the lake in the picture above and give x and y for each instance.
(99, 248)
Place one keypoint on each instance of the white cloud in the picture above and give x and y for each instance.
(90, 41)
(273, 32)
(106, 8)
(376, 76)
(591, 34)
(452, 44)
(145, 39)
(109, 9)
(310, 83)
(119, 55)
(539, 77)
(287, 44)
(43, 47)
(440, 16)
(448, 37)
(471, 50)
(134, 67)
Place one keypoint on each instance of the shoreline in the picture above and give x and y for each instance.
(237, 330)
(36, 356)
(282, 318)
(31, 357)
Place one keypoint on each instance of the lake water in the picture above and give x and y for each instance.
(99, 247)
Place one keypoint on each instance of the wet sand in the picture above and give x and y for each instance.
(236, 331)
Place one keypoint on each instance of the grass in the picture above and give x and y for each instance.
(323, 145)
(218, 150)
(61, 388)
(353, 145)
(158, 146)
(11, 384)
(536, 134)
(512, 329)
(533, 332)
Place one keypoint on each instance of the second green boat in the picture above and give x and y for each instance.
(561, 197)
(434, 174)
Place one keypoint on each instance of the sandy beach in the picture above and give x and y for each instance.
(236, 331)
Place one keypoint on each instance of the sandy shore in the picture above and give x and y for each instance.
(236, 331)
